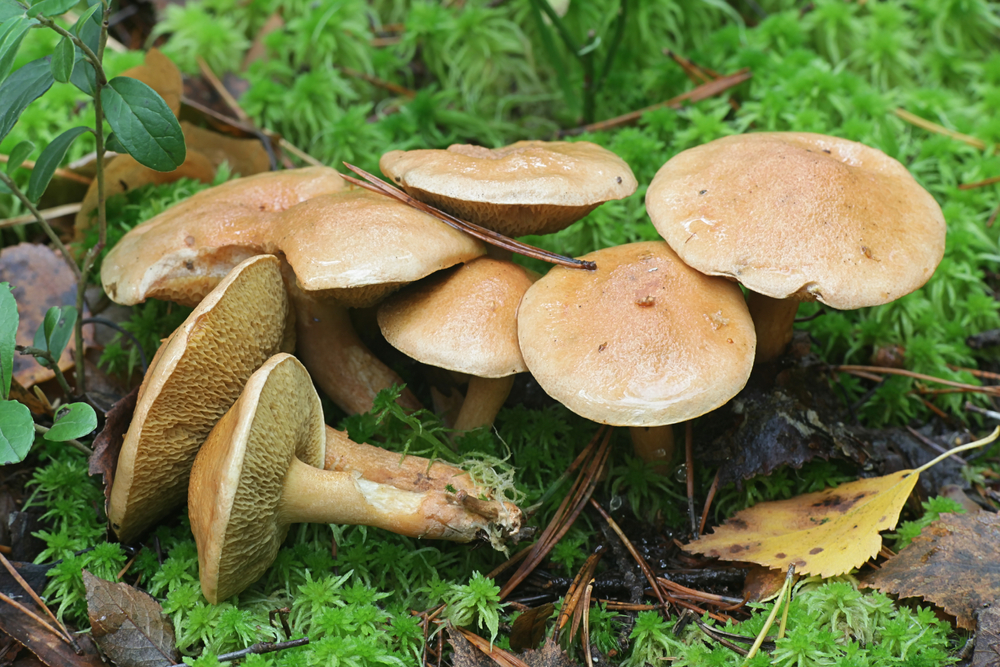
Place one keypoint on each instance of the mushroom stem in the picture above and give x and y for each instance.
(407, 473)
(312, 495)
(338, 361)
(483, 401)
(654, 444)
(773, 319)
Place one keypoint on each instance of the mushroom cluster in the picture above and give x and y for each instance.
(658, 334)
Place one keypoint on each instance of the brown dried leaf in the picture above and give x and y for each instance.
(129, 625)
(246, 157)
(41, 279)
(762, 583)
(159, 73)
(49, 648)
(952, 564)
(108, 443)
(124, 173)
(528, 629)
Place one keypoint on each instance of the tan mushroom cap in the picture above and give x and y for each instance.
(259, 472)
(530, 187)
(799, 215)
(644, 340)
(463, 320)
(356, 246)
(195, 378)
(182, 253)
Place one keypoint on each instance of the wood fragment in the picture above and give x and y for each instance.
(878, 370)
(37, 600)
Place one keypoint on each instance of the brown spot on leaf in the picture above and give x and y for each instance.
(736, 548)
(780, 555)
(815, 550)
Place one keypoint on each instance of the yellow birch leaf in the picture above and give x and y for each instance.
(825, 533)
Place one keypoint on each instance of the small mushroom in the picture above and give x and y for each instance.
(193, 380)
(464, 320)
(797, 217)
(255, 476)
(643, 341)
(530, 187)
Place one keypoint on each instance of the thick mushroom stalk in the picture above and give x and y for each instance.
(774, 320)
(408, 473)
(258, 473)
(341, 364)
(483, 400)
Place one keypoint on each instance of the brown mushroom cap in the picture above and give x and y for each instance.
(530, 187)
(181, 254)
(258, 472)
(799, 215)
(355, 246)
(644, 340)
(195, 378)
(463, 319)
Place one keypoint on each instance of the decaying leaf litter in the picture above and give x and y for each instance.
(819, 432)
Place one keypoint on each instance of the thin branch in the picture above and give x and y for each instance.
(979, 184)
(702, 92)
(878, 370)
(52, 361)
(72, 443)
(46, 213)
(61, 173)
(262, 647)
(34, 596)
(379, 186)
(914, 119)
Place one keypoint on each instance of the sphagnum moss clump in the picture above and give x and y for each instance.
(497, 74)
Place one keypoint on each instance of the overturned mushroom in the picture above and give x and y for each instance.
(194, 379)
(797, 217)
(255, 476)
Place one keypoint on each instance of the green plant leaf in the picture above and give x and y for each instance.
(63, 60)
(83, 76)
(143, 123)
(9, 9)
(18, 155)
(17, 431)
(8, 330)
(22, 88)
(112, 144)
(12, 31)
(49, 8)
(86, 16)
(49, 160)
(56, 329)
(72, 421)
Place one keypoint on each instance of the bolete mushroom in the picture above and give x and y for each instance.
(464, 320)
(256, 475)
(797, 217)
(643, 341)
(530, 187)
(193, 380)
(350, 249)
(182, 253)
